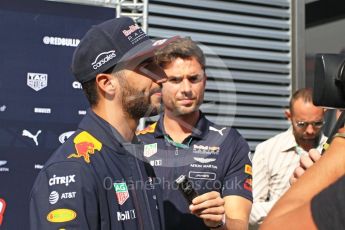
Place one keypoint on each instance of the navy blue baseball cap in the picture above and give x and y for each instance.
(112, 42)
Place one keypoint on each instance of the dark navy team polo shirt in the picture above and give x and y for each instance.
(214, 158)
(96, 181)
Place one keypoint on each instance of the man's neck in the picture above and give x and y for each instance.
(117, 118)
(181, 126)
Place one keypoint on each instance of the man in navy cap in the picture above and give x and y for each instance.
(96, 179)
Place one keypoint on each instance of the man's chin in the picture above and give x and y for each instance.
(185, 110)
(309, 139)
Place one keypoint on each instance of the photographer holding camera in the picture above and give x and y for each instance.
(308, 160)
(315, 201)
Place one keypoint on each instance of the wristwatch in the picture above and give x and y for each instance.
(339, 135)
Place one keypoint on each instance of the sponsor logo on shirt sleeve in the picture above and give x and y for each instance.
(54, 196)
(61, 180)
(61, 215)
(248, 169)
(248, 184)
(85, 145)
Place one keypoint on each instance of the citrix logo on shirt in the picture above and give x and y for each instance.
(66, 180)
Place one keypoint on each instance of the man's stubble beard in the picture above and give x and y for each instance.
(136, 103)
(301, 140)
(182, 111)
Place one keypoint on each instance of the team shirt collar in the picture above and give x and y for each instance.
(102, 130)
(199, 132)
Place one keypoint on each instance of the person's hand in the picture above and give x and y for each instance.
(209, 207)
(306, 162)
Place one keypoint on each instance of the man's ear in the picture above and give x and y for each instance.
(106, 83)
(287, 113)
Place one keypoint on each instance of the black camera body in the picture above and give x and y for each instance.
(329, 81)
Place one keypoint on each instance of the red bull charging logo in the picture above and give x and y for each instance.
(85, 145)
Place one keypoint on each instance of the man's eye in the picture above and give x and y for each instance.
(318, 124)
(195, 79)
(301, 124)
(174, 80)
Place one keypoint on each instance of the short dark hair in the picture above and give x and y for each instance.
(90, 91)
(180, 48)
(90, 87)
(305, 93)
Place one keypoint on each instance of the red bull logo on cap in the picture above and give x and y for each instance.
(85, 145)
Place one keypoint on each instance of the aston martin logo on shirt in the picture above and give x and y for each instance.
(204, 160)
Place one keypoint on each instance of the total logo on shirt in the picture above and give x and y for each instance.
(61, 215)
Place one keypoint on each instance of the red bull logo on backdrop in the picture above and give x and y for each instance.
(85, 145)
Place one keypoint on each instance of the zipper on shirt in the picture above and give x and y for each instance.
(145, 196)
(136, 203)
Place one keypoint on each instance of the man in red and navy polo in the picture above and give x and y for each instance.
(184, 142)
